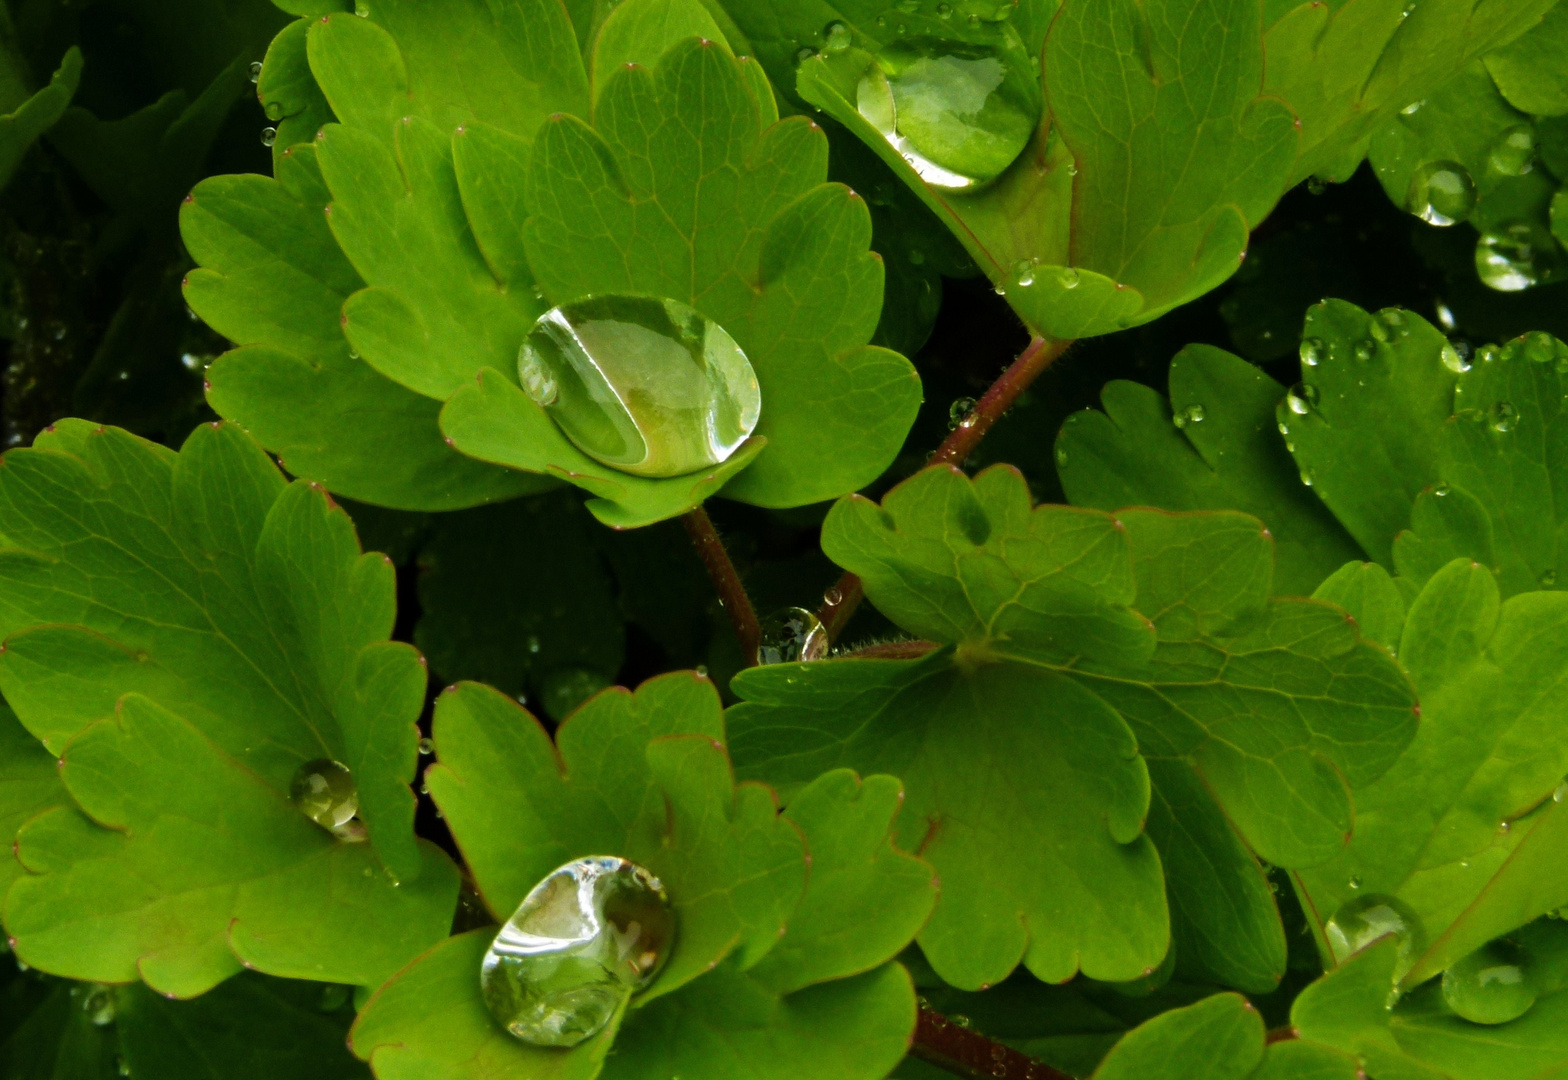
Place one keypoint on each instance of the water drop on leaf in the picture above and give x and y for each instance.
(1302, 398)
(792, 635)
(959, 411)
(1502, 416)
(99, 1004)
(1517, 257)
(269, 136)
(646, 386)
(1441, 193)
(1491, 985)
(1548, 580)
(1456, 357)
(1313, 351)
(1513, 154)
(836, 38)
(427, 746)
(1366, 349)
(255, 71)
(1366, 919)
(586, 938)
(324, 792)
(273, 110)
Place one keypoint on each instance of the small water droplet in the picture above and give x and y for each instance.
(1491, 985)
(959, 411)
(534, 644)
(833, 597)
(1309, 477)
(1513, 154)
(583, 940)
(427, 746)
(274, 110)
(324, 791)
(1505, 827)
(1502, 416)
(1441, 491)
(1413, 108)
(960, 1020)
(1023, 272)
(944, 11)
(1548, 579)
(1355, 881)
(1302, 398)
(1488, 353)
(255, 71)
(1365, 349)
(837, 37)
(1313, 351)
(805, 54)
(1539, 347)
(1456, 356)
(269, 136)
(333, 997)
(1192, 414)
(1441, 193)
(362, 9)
(792, 635)
(1561, 793)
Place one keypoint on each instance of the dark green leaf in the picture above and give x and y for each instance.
(22, 126)
(29, 786)
(1530, 72)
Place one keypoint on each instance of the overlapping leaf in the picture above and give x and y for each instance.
(21, 127)
(764, 952)
(1274, 706)
(29, 786)
(185, 630)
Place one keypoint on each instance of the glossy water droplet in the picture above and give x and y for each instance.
(1517, 257)
(273, 110)
(427, 746)
(791, 635)
(1355, 881)
(1313, 351)
(1302, 398)
(269, 136)
(805, 54)
(1445, 317)
(1502, 416)
(944, 11)
(1023, 272)
(960, 1020)
(1539, 347)
(1456, 356)
(566, 688)
(255, 71)
(1309, 477)
(1366, 919)
(960, 113)
(837, 37)
(833, 597)
(324, 792)
(1491, 985)
(1561, 793)
(1413, 108)
(1441, 193)
(533, 643)
(1489, 353)
(1192, 414)
(99, 1004)
(1067, 278)
(1441, 491)
(647, 386)
(333, 997)
(958, 413)
(1513, 154)
(584, 940)
(1365, 349)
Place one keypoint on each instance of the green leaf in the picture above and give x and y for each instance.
(288, 93)
(274, 280)
(1212, 447)
(1371, 597)
(1347, 68)
(1220, 1037)
(1463, 829)
(645, 775)
(1530, 71)
(22, 126)
(1419, 1039)
(250, 634)
(29, 786)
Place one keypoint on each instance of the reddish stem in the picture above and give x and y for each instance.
(732, 594)
(1040, 354)
(1278, 1035)
(963, 1052)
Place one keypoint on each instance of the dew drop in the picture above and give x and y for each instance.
(958, 413)
(1491, 985)
(1517, 257)
(586, 938)
(534, 644)
(1302, 398)
(836, 38)
(1366, 919)
(1023, 272)
(1313, 351)
(1548, 579)
(792, 635)
(1192, 414)
(1413, 108)
(1355, 881)
(1445, 317)
(427, 746)
(1456, 356)
(1366, 349)
(269, 136)
(1539, 347)
(324, 791)
(99, 1004)
(255, 71)
(1068, 278)
(1061, 457)
(1513, 154)
(833, 597)
(1309, 477)
(1489, 353)
(646, 386)
(273, 110)
(333, 997)
(1502, 416)
(1441, 491)
(805, 54)
(1441, 193)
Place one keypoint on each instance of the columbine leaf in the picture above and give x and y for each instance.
(187, 630)
(1212, 447)
(645, 776)
(1371, 597)
(1530, 72)
(1463, 830)
(29, 786)
(22, 126)
(1038, 605)
(1347, 68)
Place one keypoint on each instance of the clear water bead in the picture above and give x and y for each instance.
(959, 411)
(647, 386)
(1491, 985)
(1513, 154)
(1302, 398)
(1503, 416)
(837, 37)
(959, 112)
(1517, 257)
(581, 943)
(792, 635)
(1313, 351)
(1366, 349)
(1192, 414)
(1456, 357)
(1367, 919)
(1441, 193)
(324, 791)
(255, 71)
(269, 136)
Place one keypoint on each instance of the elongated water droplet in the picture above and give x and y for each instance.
(99, 1004)
(1513, 154)
(1192, 414)
(324, 791)
(1313, 351)
(586, 938)
(1441, 491)
(255, 71)
(1309, 477)
(274, 110)
(791, 635)
(1366, 919)
(1502, 416)
(1302, 398)
(1456, 356)
(1355, 881)
(1441, 193)
(646, 386)
(1517, 257)
(1539, 347)
(1365, 349)
(837, 37)
(1491, 985)
(1023, 272)
(269, 136)
(1061, 457)
(959, 112)
(959, 411)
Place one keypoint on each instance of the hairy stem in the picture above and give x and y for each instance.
(963, 1052)
(842, 599)
(732, 594)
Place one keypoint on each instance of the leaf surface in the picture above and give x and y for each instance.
(22, 126)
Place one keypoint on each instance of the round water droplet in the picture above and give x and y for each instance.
(646, 386)
(1488, 353)
(255, 71)
(960, 1020)
(837, 37)
(1441, 193)
(959, 411)
(324, 792)
(1513, 154)
(269, 136)
(1309, 477)
(1517, 257)
(1365, 349)
(1367, 919)
(1548, 579)
(534, 644)
(1302, 398)
(959, 112)
(1023, 272)
(274, 110)
(1540, 347)
(1313, 351)
(1502, 416)
(427, 746)
(1192, 414)
(833, 597)
(944, 11)
(792, 635)
(1491, 985)
(1067, 277)
(584, 940)
(1355, 881)
(567, 688)
(333, 997)
(1456, 356)
(99, 1004)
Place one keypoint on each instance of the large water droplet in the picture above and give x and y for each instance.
(1441, 193)
(958, 412)
(1517, 257)
(324, 792)
(584, 940)
(791, 635)
(1539, 347)
(1302, 398)
(273, 110)
(1366, 919)
(1491, 985)
(1513, 154)
(960, 113)
(1456, 356)
(1313, 351)
(1502, 416)
(646, 386)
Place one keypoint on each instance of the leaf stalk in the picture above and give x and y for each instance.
(963, 1052)
(726, 581)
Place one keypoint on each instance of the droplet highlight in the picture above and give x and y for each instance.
(1491, 985)
(792, 635)
(1441, 193)
(324, 791)
(1367, 919)
(1513, 154)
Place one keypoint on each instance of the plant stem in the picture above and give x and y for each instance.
(1030, 365)
(732, 594)
(967, 1053)
(892, 650)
